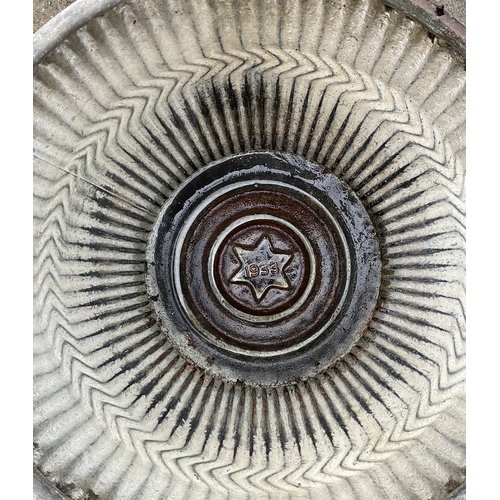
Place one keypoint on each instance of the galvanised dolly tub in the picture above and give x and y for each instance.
(249, 251)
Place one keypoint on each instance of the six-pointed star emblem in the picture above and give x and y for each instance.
(261, 268)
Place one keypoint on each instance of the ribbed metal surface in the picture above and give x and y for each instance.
(127, 109)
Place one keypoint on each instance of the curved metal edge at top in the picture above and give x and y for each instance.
(66, 22)
(77, 14)
(43, 489)
(459, 495)
(435, 20)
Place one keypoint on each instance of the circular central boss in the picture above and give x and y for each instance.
(256, 262)
(262, 268)
(258, 267)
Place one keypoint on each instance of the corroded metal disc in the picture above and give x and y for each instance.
(266, 267)
(249, 251)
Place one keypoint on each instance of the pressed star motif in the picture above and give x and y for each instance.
(261, 268)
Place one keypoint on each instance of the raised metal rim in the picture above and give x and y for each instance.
(44, 489)
(51, 34)
(426, 13)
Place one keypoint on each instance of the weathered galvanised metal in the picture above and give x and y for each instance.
(249, 251)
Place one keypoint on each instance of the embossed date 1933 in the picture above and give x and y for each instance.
(254, 270)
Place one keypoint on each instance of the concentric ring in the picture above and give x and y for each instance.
(298, 323)
(215, 276)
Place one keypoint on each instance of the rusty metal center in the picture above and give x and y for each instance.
(256, 265)
(262, 268)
